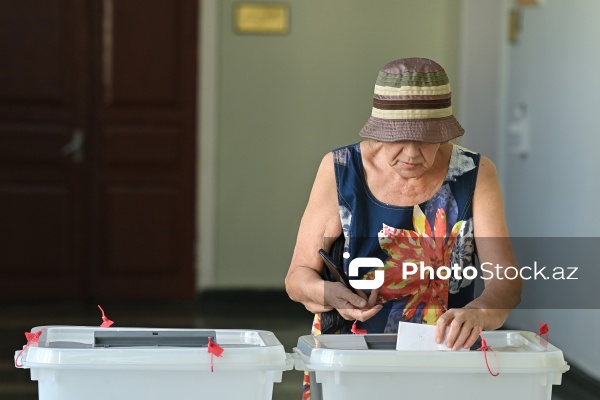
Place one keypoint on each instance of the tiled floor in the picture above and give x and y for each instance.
(15, 384)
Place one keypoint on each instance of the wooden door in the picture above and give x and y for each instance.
(97, 148)
(42, 106)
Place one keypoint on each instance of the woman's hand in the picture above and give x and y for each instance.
(350, 306)
(465, 325)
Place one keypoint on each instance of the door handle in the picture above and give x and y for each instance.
(74, 148)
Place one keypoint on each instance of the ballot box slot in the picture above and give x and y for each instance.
(153, 338)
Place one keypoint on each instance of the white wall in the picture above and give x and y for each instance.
(482, 72)
(551, 192)
(282, 102)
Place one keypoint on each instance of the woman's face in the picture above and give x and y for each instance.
(410, 159)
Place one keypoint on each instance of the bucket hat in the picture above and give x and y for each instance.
(412, 101)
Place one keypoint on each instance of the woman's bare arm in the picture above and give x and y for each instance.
(320, 226)
(500, 296)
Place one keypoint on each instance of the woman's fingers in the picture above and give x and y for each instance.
(463, 327)
(360, 314)
(346, 299)
(372, 298)
(351, 306)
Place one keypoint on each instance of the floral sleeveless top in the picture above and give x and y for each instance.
(435, 233)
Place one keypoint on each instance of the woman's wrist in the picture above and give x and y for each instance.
(492, 318)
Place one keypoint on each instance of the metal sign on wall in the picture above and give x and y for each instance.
(262, 18)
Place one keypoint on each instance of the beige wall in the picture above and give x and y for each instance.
(282, 102)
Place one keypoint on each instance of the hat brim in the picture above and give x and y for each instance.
(436, 130)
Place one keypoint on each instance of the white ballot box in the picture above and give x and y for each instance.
(358, 367)
(75, 363)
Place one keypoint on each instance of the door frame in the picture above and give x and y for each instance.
(206, 192)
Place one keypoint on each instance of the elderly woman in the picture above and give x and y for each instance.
(408, 195)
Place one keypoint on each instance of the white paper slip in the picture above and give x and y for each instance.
(418, 337)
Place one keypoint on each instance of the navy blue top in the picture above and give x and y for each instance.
(438, 232)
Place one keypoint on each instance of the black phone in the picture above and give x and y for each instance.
(338, 273)
(476, 345)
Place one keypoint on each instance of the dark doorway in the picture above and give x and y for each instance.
(97, 148)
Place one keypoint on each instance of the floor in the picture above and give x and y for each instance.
(15, 384)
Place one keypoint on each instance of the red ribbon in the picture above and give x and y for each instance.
(105, 321)
(357, 331)
(214, 350)
(484, 347)
(33, 338)
(543, 330)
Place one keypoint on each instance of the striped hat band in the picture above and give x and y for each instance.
(412, 101)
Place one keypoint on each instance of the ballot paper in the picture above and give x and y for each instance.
(419, 337)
